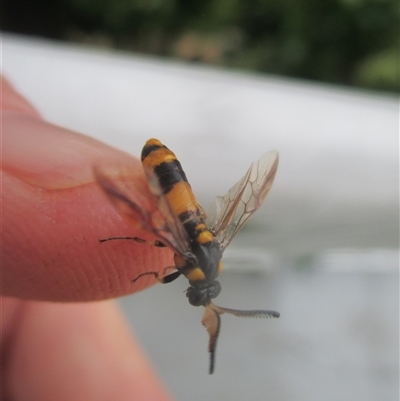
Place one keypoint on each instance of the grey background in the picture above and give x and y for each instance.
(323, 250)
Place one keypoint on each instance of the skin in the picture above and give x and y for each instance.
(55, 344)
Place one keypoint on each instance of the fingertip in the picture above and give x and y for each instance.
(51, 248)
(12, 101)
(54, 213)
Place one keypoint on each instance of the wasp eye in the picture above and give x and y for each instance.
(214, 289)
(197, 296)
(202, 296)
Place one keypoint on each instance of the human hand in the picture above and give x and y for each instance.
(53, 215)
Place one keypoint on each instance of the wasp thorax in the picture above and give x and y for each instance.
(202, 295)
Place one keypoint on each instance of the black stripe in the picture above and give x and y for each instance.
(169, 173)
(191, 216)
(190, 227)
(148, 149)
(190, 221)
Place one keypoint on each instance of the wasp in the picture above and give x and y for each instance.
(180, 223)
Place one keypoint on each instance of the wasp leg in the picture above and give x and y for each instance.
(163, 280)
(156, 243)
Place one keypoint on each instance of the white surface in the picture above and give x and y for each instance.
(338, 148)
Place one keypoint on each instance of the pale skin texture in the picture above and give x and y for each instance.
(55, 344)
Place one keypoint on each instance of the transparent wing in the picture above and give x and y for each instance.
(148, 210)
(229, 213)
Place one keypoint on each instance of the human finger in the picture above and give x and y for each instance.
(54, 214)
(74, 351)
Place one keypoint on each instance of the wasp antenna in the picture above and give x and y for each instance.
(212, 322)
(246, 313)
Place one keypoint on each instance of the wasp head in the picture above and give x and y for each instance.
(203, 293)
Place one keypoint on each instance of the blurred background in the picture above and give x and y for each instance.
(220, 83)
(348, 42)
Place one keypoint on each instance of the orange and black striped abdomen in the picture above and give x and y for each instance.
(159, 161)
